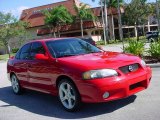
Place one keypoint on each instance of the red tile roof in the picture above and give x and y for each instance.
(97, 11)
(71, 27)
(36, 18)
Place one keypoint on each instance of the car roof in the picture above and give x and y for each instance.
(49, 39)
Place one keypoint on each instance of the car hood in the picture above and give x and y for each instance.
(102, 60)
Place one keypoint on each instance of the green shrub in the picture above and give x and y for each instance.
(135, 47)
(141, 38)
(101, 42)
(14, 50)
(114, 41)
(154, 49)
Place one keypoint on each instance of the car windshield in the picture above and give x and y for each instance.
(70, 47)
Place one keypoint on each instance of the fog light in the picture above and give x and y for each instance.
(106, 95)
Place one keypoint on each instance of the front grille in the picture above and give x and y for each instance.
(129, 68)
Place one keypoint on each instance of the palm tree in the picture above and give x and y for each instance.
(112, 4)
(57, 16)
(115, 4)
(106, 20)
(84, 13)
(157, 12)
(103, 22)
(103, 4)
(120, 24)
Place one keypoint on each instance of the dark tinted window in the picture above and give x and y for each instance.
(70, 47)
(36, 48)
(87, 39)
(18, 54)
(25, 52)
(149, 33)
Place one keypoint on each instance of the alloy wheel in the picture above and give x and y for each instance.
(67, 95)
(15, 84)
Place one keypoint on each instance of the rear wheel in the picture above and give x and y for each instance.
(15, 85)
(68, 95)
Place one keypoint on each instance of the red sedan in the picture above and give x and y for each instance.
(77, 72)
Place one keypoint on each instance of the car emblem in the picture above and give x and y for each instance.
(130, 68)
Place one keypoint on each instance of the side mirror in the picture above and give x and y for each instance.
(41, 57)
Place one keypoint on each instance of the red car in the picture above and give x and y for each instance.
(76, 71)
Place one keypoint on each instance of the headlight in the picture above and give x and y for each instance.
(143, 63)
(99, 74)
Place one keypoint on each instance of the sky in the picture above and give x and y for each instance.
(16, 6)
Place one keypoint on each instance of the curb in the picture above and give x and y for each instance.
(156, 65)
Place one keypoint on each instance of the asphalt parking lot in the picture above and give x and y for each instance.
(37, 106)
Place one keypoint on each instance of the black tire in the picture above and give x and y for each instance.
(73, 91)
(17, 89)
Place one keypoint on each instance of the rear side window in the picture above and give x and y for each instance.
(25, 52)
(18, 54)
(37, 48)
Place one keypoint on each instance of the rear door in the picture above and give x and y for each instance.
(21, 64)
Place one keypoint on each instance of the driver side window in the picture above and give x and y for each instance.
(37, 48)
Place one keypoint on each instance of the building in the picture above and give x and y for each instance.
(92, 29)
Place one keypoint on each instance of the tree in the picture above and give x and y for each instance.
(57, 16)
(84, 13)
(10, 28)
(157, 13)
(110, 4)
(104, 19)
(136, 13)
(115, 4)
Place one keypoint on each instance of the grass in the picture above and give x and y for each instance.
(6, 56)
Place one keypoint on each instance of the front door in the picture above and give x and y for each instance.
(40, 71)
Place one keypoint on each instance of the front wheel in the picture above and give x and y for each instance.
(15, 85)
(68, 95)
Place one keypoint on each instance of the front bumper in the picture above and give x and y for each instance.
(118, 87)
